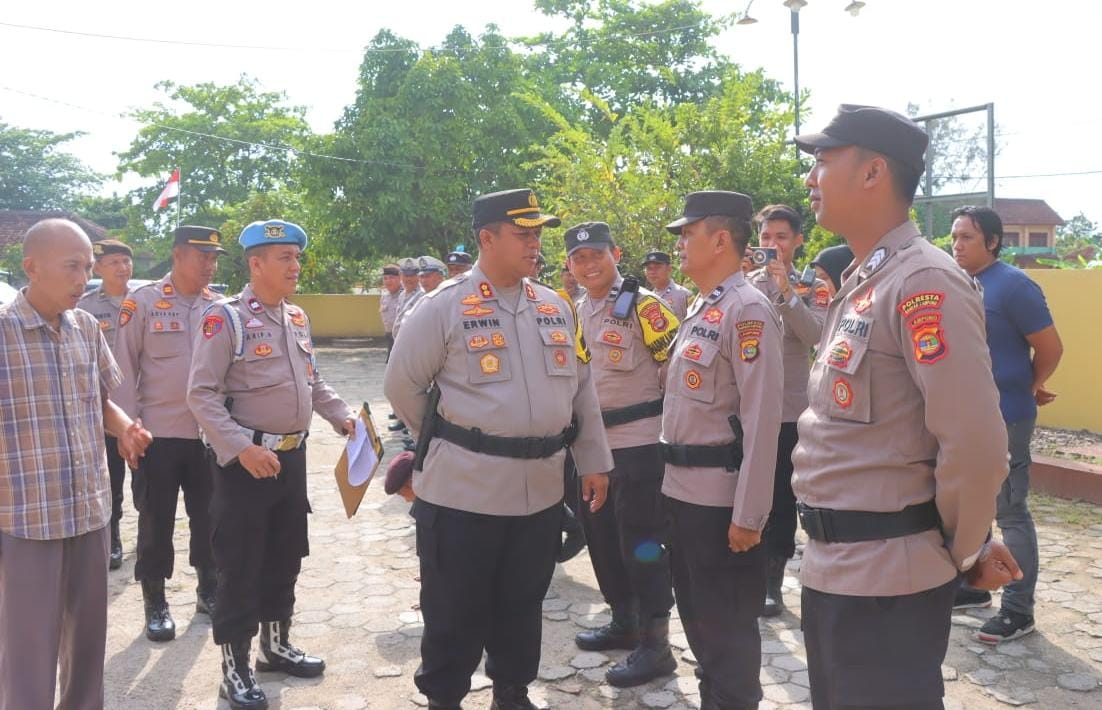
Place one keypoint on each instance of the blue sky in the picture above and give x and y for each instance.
(1037, 62)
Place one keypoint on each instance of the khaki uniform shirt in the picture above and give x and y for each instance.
(627, 358)
(388, 308)
(726, 361)
(903, 410)
(273, 382)
(802, 318)
(407, 301)
(153, 349)
(106, 310)
(506, 363)
(677, 297)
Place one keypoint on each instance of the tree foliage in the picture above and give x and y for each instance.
(35, 174)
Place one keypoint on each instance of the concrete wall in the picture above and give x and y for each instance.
(1075, 299)
(342, 316)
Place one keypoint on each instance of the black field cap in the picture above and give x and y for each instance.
(459, 257)
(107, 247)
(390, 270)
(588, 235)
(657, 257)
(517, 206)
(877, 129)
(713, 203)
(202, 238)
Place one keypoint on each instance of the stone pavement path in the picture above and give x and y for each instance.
(357, 608)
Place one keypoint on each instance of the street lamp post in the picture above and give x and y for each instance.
(796, 62)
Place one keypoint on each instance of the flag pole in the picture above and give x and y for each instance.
(179, 199)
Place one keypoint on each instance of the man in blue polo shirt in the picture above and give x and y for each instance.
(1025, 350)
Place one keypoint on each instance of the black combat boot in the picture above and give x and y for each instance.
(277, 654)
(511, 697)
(205, 590)
(652, 659)
(159, 625)
(774, 583)
(238, 682)
(116, 546)
(621, 632)
(441, 705)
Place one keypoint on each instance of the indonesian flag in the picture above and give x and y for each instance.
(172, 189)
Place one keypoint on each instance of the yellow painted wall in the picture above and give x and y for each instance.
(342, 316)
(1075, 299)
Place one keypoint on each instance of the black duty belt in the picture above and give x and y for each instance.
(826, 525)
(516, 447)
(728, 456)
(631, 413)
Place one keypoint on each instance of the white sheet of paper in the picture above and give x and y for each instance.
(361, 456)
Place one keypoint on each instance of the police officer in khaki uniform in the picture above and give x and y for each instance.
(254, 386)
(902, 449)
(410, 271)
(720, 422)
(459, 262)
(388, 302)
(157, 324)
(659, 271)
(431, 272)
(629, 331)
(513, 390)
(801, 305)
(114, 265)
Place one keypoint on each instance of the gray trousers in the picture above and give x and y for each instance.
(53, 609)
(1015, 522)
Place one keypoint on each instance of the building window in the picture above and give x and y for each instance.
(1038, 239)
(1012, 239)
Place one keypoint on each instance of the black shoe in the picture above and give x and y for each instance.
(441, 705)
(205, 590)
(575, 535)
(115, 560)
(512, 697)
(621, 632)
(1007, 626)
(652, 659)
(774, 587)
(277, 654)
(968, 598)
(392, 417)
(238, 684)
(159, 625)
(395, 426)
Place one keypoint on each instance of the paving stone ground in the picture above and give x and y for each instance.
(357, 608)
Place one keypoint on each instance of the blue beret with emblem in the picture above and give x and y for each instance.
(272, 231)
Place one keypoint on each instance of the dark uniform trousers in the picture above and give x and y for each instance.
(116, 467)
(628, 536)
(483, 580)
(719, 595)
(259, 539)
(168, 465)
(779, 535)
(877, 653)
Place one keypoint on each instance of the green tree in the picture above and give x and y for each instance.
(427, 132)
(35, 174)
(636, 178)
(1077, 233)
(228, 142)
(109, 212)
(626, 53)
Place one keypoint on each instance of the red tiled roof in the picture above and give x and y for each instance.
(1026, 212)
(15, 223)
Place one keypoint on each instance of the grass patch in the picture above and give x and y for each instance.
(1072, 512)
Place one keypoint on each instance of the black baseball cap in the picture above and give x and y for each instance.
(713, 203)
(521, 207)
(657, 257)
(106, 247)
(877, 129)
(588, 235)
(202, 238)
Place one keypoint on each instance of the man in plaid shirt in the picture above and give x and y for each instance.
(55, 497)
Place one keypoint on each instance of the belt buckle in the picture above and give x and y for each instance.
(289, 442)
